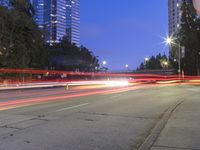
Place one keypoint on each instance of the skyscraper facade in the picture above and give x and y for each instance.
(174, 14)
(58, 18)
(73, 21)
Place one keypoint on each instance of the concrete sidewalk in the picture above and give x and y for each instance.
(182, 131)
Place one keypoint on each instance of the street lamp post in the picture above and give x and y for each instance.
(179, 60)
(126, 66)
(104, 63)
(146, 59)
(145, 62)
(170, 41)
(165, 66)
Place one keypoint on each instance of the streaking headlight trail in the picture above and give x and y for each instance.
(117, 83)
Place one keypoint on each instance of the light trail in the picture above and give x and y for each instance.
(136, 77)
(44, 93)
(33, 101)
(42, 100)
(116, 83)
(116, 76)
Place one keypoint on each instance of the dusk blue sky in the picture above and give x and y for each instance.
(124, 32)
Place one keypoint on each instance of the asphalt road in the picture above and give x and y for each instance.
(88, 119)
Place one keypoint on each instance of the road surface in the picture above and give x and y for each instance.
(101, 119)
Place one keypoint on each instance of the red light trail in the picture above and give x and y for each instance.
(78, 88)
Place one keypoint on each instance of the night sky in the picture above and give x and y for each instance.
(124, 31)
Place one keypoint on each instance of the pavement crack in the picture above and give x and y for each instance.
(41, 116)
(28, 142)
(89, 120)
(42, 119)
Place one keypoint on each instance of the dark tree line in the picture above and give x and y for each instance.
(67, 56)
(22, 44)
(155, 62)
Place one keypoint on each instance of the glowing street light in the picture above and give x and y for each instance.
(146, 59)
(169, 40)
(126, 66)
(104, 62)
(96, 68)
(166, 63)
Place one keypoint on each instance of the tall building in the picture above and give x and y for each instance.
(174, 14)
(73, 21)
(58, 18)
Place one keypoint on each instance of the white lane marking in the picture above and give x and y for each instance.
(72, 107)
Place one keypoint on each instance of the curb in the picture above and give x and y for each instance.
(160, 125)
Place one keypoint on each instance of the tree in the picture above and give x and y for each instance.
(67, 56)
(22, 46)
(189, 37)
(155, 62)
(21, 42)
(23, 6)
(142, 67)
